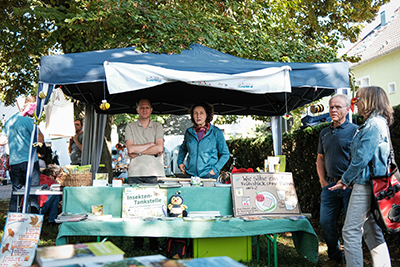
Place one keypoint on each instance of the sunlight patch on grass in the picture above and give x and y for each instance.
(322, 248)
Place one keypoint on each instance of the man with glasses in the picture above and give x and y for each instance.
(75, 144)
(144, 140)
(332, 161)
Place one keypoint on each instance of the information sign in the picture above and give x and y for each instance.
(20, 239)
(264, 194)
(144, 202)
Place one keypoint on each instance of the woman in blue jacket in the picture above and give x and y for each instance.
(204, 144)
(370, 153)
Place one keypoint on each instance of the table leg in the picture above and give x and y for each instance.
(258, 248)
(269, 250)
(18, 205)
(276, 250)
(274, 240)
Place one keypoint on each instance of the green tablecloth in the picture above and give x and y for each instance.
(80, 199)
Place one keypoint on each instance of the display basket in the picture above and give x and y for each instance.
(75, 179)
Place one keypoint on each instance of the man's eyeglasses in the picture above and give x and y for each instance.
(335, 107)
(143, 108)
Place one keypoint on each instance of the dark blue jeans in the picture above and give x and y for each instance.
(51, 206)
(332, 203)
(18, 178)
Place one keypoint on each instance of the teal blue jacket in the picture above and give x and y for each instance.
(210, 153)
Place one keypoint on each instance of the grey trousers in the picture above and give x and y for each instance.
(360, 223)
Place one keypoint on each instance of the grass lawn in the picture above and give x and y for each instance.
(287, 254)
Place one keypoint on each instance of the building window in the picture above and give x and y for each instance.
(364, 81)
(392, 87)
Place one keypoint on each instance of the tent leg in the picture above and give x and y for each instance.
(276, 128)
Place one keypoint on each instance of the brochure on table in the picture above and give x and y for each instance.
(135, 261)
(20, 239)
(68, 255)
(161, 261)
(144, 202)
(264, 194)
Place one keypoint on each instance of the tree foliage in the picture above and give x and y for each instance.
(285, 30)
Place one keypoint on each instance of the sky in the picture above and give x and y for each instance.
(389, 9)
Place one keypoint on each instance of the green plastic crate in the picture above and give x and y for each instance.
(237, 248)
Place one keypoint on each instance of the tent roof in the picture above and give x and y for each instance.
(82, 77)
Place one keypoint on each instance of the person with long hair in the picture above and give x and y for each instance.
(204, 144)
(370, 152)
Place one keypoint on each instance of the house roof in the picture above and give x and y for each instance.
(382, 40)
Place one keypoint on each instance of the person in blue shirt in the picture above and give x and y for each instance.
(332, 161)
(204, 145)
(18, 129)
(370, 151)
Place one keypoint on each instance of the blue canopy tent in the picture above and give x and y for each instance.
(82, 76)
(233, 85)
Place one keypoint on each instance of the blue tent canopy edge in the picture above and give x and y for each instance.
(82, 76)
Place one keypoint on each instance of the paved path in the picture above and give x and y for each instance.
(5, 192)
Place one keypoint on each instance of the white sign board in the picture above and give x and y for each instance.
(144, 202)
(264, 194)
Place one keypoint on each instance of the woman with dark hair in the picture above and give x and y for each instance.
(370, 152)
(204, 144)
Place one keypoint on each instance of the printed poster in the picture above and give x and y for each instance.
(264, 194)
(20, 239)
(144, 202)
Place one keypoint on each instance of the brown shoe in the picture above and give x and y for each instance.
(332, 263)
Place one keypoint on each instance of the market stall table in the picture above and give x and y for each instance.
(80, 199)
(36, 190)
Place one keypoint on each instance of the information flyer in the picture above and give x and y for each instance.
(20, 239)
(144, 202)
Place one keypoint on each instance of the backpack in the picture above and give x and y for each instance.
(176, 248)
